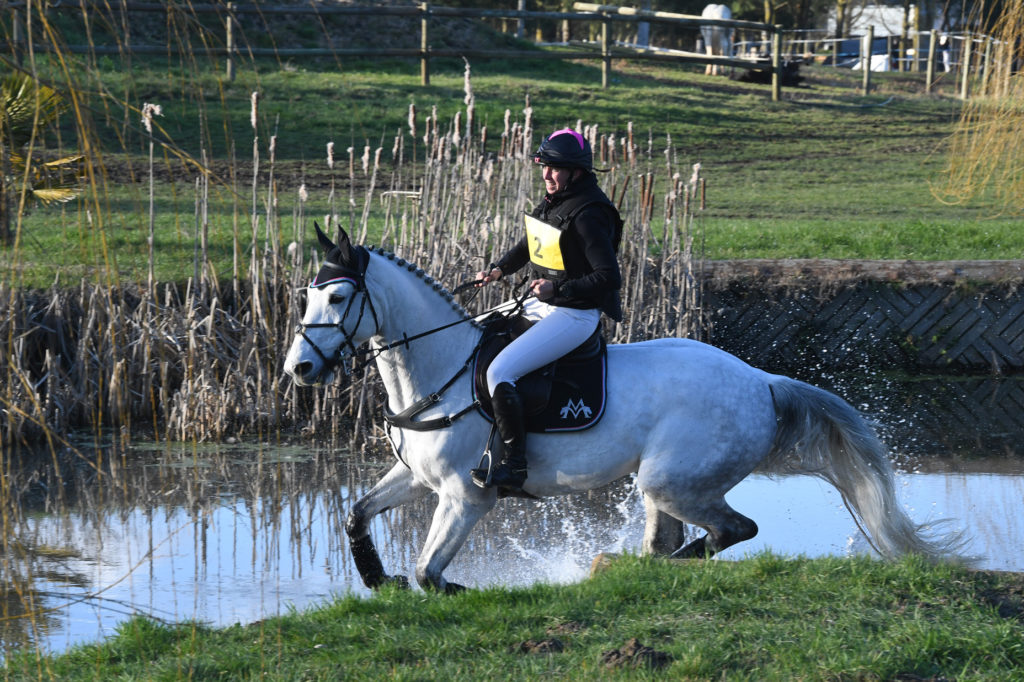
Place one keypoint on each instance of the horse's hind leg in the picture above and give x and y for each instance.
(396, 488)
(724, 525)
(663, 533)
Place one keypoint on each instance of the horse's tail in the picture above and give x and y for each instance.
(822, 435)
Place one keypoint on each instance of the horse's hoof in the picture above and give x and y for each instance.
(399, 581)
(454, 588)
(697, 549)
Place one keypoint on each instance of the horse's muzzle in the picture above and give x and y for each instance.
(306, 373)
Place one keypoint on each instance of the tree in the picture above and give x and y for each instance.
(27, 109)
(986, 152)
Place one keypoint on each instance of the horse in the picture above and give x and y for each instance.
(717, 39)
(689, 421)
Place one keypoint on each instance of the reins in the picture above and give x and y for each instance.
(406, 418)
(405, 340)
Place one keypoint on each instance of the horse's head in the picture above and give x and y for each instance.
(339, 314)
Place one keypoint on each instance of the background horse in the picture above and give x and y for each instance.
(717, 39)
(689, 420)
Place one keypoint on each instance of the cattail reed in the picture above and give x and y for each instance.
(148, 112)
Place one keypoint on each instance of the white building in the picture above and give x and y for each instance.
(887, 20)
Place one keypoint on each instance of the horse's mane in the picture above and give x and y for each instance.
(439, 288)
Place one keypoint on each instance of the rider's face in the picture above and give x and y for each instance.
(556, 179)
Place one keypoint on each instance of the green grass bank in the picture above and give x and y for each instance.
(765, 618)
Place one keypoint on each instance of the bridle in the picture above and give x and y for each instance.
(331, 361)
(406, 418)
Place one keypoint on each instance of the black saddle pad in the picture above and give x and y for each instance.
(567, 395)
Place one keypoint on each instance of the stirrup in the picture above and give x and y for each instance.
(482, 474)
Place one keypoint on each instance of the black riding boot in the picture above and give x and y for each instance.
(508, 417)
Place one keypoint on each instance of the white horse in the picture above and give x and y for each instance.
(717, 39)
(689, 420)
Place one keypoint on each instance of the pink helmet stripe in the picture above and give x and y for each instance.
(570, 131)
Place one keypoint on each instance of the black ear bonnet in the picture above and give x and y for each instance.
(343, 261)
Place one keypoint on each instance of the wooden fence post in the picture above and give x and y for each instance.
(16, 35)
(424, 44)
(916, 47)
(929, 71)
(965, 66)
(1004, 63)
(520, 22)
(867, 46)
(229, 41)
(606, 54)
(985, 65)
(777, 64)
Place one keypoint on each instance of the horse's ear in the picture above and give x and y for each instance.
(325, 242)
(344, 244)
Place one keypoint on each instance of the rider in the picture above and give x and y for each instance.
(571, 241)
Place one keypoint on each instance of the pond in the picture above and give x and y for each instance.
(234, 533)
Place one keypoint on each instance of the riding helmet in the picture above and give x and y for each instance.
(565, 148)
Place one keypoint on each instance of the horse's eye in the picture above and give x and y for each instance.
(335, 299)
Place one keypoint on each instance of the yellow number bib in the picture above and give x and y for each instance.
(545, 251)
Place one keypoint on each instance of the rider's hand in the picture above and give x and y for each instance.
(487, 276)
(543, 289)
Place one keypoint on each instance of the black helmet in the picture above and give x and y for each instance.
(565, 148)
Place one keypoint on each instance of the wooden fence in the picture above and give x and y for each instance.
(976, 63)
(979, 57)
(603, 16)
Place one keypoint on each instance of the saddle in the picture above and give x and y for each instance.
(566, 395)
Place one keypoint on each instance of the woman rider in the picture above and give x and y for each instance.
(572, 239)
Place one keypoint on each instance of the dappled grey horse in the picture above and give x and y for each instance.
(689, 420)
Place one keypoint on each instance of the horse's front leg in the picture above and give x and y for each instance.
(458, 510)
(396, 488)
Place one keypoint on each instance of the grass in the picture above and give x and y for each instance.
(765, 618)
(825, 173)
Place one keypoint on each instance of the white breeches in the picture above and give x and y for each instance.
(555, 332)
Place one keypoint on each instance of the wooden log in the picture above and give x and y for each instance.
(795, 271)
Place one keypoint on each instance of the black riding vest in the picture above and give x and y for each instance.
(555, 248)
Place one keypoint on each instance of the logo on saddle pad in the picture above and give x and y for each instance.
(575, 408)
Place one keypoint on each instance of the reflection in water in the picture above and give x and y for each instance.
(233, 534)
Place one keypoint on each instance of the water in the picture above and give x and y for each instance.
(232, 534)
